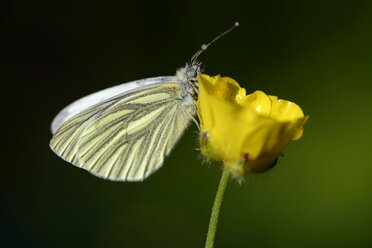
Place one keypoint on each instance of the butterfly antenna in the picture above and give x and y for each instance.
(205, 46)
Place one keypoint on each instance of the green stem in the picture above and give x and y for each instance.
(216, 208)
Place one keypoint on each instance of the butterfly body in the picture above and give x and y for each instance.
(123, 133)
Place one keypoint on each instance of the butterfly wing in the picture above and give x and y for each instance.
(125, 137)
(92, 99)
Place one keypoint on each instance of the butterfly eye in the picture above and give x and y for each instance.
(191, 72)
(201, 68)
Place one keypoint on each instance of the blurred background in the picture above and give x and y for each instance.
(315, 53)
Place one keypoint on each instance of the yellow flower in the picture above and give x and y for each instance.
(246, 132)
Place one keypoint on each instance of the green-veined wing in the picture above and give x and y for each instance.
(125, 137)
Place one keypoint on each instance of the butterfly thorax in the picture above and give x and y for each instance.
(188, 76)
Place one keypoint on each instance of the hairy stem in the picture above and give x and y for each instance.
(216, 208)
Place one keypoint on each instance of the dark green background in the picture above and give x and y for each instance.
(315, 53)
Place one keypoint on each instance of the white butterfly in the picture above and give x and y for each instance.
(123, 133)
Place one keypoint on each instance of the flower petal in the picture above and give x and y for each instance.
(258, 101)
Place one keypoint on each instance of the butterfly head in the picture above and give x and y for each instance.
(193, 69)
(189, 73)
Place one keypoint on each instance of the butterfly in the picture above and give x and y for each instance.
(124, 133)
